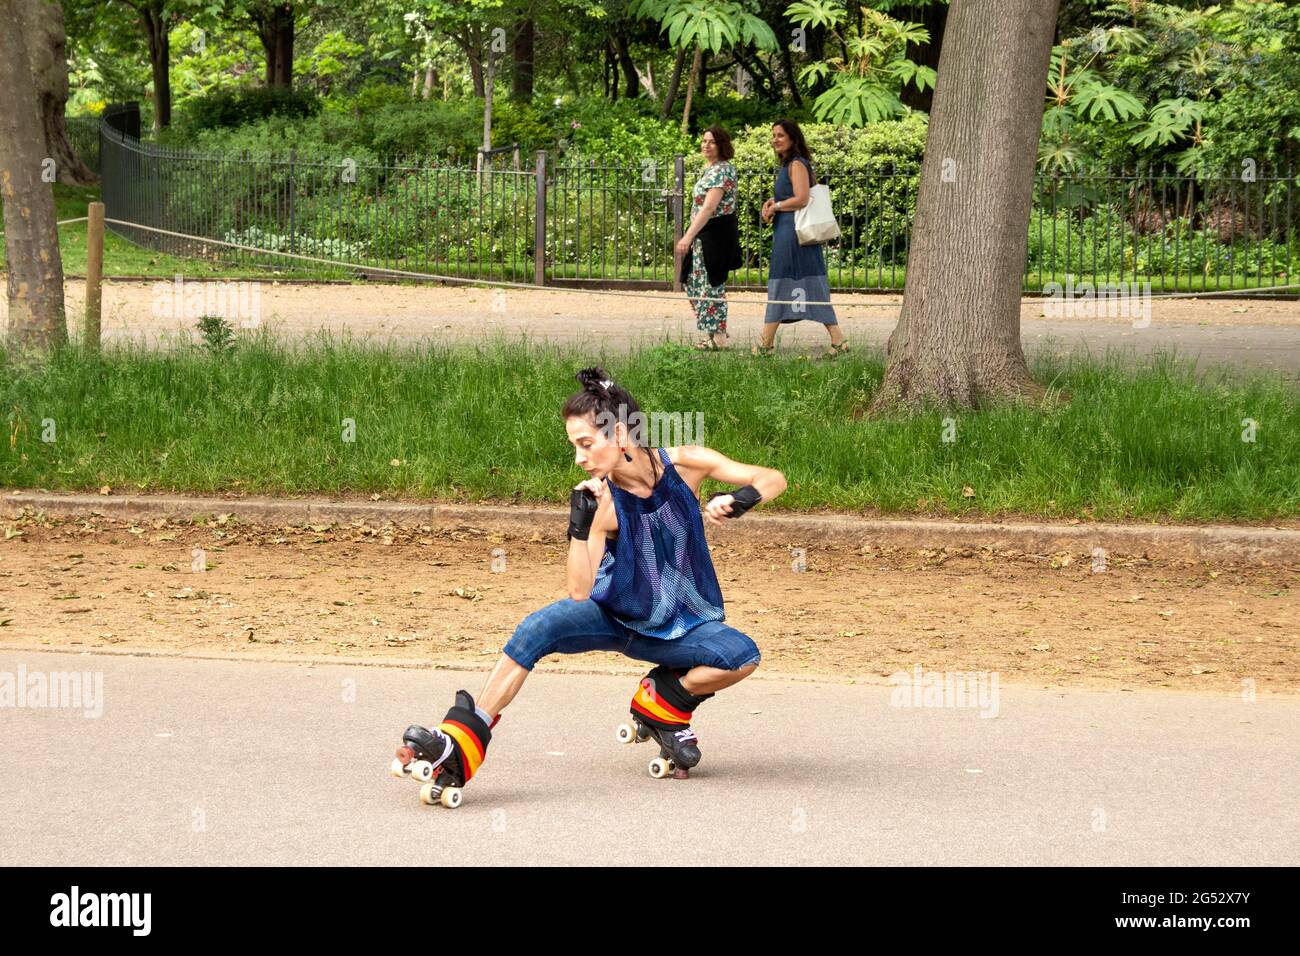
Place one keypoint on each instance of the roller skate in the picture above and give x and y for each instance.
(444, 758)
(661, 711)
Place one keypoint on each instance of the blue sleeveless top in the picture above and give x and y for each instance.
(657, 577)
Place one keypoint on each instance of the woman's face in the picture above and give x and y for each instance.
(708, 147)
(780, 140)
(594, 453)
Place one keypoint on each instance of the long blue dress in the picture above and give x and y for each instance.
(797, 274)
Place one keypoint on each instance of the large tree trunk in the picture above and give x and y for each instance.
(521, 78)
(47, 43)
(934, 17)
(666, 110)
(284, 47)
(155, 29)
(35, 268)
(274, 25)
(957, 343)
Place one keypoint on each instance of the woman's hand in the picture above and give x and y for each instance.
(717, 509)
(684, 244)
(596, 486)
(769, 209)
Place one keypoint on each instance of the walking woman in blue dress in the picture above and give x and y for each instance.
(640, 582)
(797, 274)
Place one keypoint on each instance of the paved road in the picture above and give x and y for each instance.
(222, 762)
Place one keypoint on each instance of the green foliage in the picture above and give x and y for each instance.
(1200, 89)
(218, 334)
(229, 109)
(872, 68)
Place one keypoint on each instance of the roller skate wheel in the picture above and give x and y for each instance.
(422, 770)
(429, 794)
(626, 734)
(398, 770)
(450, 798)
(660, 768)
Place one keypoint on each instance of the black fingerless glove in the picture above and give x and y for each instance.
(742, 499)
(582, 511)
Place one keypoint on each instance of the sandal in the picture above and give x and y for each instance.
(707, 345)
(840, 349)
(764, 351)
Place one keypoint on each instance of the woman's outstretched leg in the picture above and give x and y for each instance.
(502, 685)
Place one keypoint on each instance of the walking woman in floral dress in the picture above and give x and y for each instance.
(710, 247)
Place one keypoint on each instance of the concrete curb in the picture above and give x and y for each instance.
(1222, 543)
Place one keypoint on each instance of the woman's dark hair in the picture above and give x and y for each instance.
(723, 140)
(601, 395)
(798, 145)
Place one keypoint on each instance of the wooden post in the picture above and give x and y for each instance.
(679, 228)
(94, 274)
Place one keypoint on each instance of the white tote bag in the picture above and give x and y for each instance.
(815, 223)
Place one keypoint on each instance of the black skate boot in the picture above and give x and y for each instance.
(446, 757)
(661, 710)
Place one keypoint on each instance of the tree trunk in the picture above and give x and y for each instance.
(648, 79)
(667, 109)
(690, 88)
(155, 29)
(483, 158)
(430, 81)
(284, 47)
(957, 343)
(35, 269)
(631, 79)
(470, 44)
(933, 17)
(610, 73)
(788, 70)
(521, 79)
(47, 43)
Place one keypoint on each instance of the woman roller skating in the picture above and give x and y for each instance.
(640, 582)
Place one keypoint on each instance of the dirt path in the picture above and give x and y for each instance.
(1246, 333)
(431, 594)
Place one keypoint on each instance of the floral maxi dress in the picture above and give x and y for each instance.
(710, 317)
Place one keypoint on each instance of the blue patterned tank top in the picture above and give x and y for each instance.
(657, 577)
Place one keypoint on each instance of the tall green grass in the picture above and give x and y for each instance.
(1161, 441)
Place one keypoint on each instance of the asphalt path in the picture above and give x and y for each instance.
(210, 762)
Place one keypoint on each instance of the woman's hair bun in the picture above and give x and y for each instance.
(595, 380)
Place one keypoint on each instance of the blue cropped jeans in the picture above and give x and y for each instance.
(575, 627)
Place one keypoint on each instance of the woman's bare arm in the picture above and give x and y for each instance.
(801, 185)
(697, 462)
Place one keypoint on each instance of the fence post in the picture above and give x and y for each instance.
(94, 272)
(293, 232)
(679, 197)
(539, 221)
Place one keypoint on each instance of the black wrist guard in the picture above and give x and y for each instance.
(742, 499)
(582, 511)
